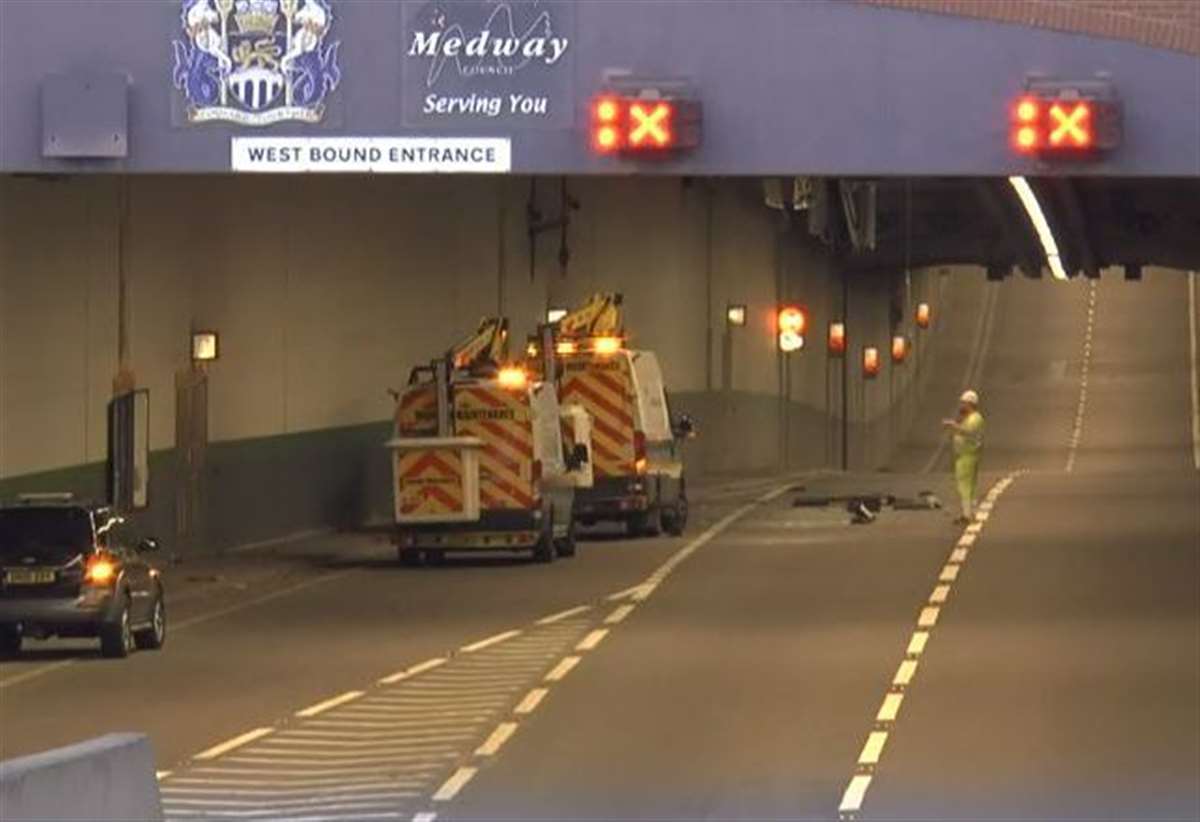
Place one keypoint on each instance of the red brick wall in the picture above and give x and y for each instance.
(1168, 24)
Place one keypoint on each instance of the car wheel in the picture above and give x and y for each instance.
(566, 546)
(435, 557)
(675, 522)
(409, 557)
(116, 637)
(154, 637)
(10, 641)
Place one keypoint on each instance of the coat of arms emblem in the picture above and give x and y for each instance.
(256, 62)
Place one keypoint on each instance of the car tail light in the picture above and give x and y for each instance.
(100, 571)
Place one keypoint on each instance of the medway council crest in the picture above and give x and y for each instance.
(256, 62)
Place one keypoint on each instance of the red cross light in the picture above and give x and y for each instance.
(634, 124)
(650, 124)
(1064, 121)
(1070, 125)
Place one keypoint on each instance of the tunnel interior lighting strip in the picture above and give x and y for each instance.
(1034, 209)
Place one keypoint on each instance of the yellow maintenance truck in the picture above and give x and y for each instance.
(636, 450)
(478, 457)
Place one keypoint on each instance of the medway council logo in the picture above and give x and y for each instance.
(497, 43)
(256, 62)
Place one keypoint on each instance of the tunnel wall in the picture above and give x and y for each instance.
(325, 291)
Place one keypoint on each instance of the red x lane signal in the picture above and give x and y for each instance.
(1061, 120)
(650, 123)
(1071, 125)
(621, 124)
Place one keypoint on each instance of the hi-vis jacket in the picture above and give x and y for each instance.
(968, 436)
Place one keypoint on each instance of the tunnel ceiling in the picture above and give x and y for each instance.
(1096, 222)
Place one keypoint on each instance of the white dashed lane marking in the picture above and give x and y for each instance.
(893, 700)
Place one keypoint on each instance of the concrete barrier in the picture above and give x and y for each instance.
(108, 778)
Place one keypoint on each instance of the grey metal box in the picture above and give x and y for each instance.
(85, 115)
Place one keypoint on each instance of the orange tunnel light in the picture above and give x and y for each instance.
(899, 348)
(837, 338)
(924, 315)
(871, 362)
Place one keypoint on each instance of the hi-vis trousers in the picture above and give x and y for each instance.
(966, 477)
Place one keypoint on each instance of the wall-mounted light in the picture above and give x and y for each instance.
(553, 315)
(735, 315)
(837, 338)
(792, 323)
(899, 348)
(204, 346)
(924, 315)
(870, 362)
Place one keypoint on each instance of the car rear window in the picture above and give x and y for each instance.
(47, 535)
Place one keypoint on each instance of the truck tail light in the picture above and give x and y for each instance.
(639, 452)
(100, 571)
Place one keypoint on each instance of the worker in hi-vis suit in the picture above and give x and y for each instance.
(968, 446)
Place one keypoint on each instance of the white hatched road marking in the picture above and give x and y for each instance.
(322, 707)
(561, 615)
(413, 671)
(236, 742)
(490, 641)
(889, 710)
(363, 751)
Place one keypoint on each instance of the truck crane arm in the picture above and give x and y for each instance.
(600, 316)
(486, 345)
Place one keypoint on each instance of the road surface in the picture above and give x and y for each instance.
(777, 662)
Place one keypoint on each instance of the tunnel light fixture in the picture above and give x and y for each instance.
(924, 315)
(837, 338)
(735, 315)
(204, 346)
(792, 323)
(1034, 209)
(871, 362)
(899, 348)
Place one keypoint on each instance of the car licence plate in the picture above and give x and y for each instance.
(23, 576)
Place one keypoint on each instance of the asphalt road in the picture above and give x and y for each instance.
(777, 662)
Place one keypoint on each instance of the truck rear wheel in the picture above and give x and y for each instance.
(544, 550)
(675, 519)
(566, 546)
(645, 523)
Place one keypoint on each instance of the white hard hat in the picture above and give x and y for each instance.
(969, 397)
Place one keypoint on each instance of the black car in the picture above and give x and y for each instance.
(67, 569)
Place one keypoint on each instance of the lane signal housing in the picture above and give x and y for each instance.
(1060, 118)
(644, 123)
(792, 323)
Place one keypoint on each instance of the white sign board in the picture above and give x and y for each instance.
(375, 155)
